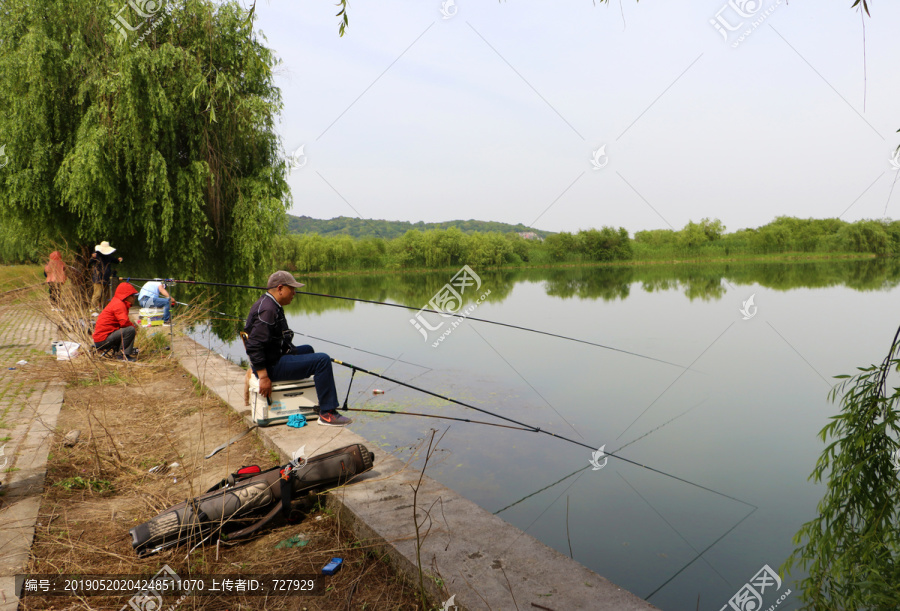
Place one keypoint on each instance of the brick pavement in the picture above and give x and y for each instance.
(29, 406)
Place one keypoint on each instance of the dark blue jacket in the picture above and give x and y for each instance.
(268, 335)
(101, 267)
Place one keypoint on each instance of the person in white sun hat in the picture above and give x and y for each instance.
(101, 270)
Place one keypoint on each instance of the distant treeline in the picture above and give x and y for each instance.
(704, 240)
(707, 239)
(438, 248)
(378, 228)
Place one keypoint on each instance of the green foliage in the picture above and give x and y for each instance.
(378, 228)
(153, 343)
(113, 379)
(453, 247)
(164, 146)
(851, 550)
(656, 237)
(442, 249)
(708, 239)
(85, 483)
(699, 234)
(606, 244)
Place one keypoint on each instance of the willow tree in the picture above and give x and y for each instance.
(147, 124)
(851, 550)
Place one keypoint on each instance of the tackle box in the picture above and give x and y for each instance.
(150, 317)
(288, 397)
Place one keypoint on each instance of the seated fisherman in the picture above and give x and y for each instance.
(113, 328)
(154, 295)
(273, 357)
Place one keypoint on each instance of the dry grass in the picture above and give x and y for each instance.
(134, 416)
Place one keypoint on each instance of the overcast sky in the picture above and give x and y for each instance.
(495, 113)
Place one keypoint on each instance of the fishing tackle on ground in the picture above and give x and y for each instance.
(245, 496)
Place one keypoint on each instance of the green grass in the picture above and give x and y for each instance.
(112, 379)
(16, 276)
(81, 483)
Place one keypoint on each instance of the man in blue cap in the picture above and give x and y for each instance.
(273, 356)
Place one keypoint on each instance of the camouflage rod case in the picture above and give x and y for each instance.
(248, 496)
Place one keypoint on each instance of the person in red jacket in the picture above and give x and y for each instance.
(113, 328)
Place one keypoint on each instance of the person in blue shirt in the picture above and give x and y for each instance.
(154, 295)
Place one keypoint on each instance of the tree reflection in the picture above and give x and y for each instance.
(707, 282)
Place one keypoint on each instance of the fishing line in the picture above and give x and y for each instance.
(700, 554)
(396, 413)
(406, 307)
(617, 450)
(670, 525)
(529, 428)
(398, 360)
(542, 489)
(620, 448)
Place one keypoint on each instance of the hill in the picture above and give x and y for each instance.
(363, 228)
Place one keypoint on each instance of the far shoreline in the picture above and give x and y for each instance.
(790, 257)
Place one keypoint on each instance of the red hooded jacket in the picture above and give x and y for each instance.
(55, 270)
(115, 315)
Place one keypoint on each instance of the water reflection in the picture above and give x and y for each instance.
(696, 281)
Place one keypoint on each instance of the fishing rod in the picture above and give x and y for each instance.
(191, 305)
(406, 307)
(524, 426)
(396, 413)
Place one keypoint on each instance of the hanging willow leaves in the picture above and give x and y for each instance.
(851, 551)
(155, 133)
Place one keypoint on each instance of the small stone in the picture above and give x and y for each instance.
(71, 438)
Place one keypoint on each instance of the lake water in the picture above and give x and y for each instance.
(736, 416)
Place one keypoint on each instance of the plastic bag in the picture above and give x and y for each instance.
(66, 351)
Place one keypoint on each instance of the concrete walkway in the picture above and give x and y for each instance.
(28, 413)
(482, 561)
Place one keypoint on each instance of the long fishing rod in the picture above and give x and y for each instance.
(406, 307)
(396, 413)
(524, 425)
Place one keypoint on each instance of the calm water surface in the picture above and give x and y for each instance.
(741, 421)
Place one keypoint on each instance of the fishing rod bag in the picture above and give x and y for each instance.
(250, 495)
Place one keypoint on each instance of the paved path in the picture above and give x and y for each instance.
(29, 406)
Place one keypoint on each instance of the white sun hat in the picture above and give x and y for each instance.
(105, 248)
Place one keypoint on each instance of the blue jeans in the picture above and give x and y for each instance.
(157, 302)
(302, 363)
